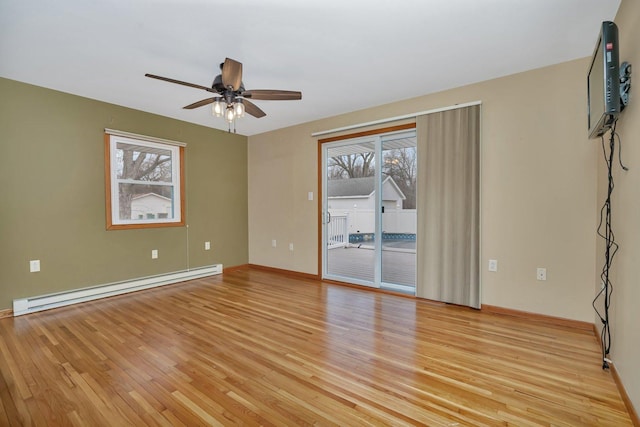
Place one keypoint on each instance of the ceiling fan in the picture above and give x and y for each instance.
(230, 97)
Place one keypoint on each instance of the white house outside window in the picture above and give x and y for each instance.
(144, 182)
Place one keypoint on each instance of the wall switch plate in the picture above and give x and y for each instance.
(273, 243)
(290, 246)
(541, 273)
(310, 195)
(493, 265)
(34, 265)
(207, 246)
(154, 254)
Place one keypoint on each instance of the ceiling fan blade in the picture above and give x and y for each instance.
(166, 79)
(251, 108)
(200, 103)
(232, 74)
(272, 95)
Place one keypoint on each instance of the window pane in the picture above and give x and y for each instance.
(142, 163)
(145, 188)
(145, 202)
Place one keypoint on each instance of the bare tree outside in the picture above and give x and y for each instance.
(401, 165)
(358, 165)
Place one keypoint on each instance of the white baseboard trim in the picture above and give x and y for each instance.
(45, 302)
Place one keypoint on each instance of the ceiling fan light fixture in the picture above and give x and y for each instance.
(238, 108)
(230, 114)
(217, 108)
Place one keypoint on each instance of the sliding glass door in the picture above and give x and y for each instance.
(398, 212)
(369, 211)
(349, 212)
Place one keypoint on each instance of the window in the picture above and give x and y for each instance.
(143, 176)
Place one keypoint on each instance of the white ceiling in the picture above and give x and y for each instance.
(344, 55)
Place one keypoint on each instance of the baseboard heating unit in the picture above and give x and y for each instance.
(45, 302)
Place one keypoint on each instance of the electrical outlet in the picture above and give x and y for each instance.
(541, 273)
(207, 246)
(291, 246)
(273, 243)
(34, 265)
(154, 254)
(493, 265)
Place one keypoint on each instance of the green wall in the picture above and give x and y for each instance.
(52, 201)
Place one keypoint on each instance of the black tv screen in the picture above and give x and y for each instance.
(603, 82)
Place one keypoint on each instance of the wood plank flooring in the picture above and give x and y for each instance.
(258, 348)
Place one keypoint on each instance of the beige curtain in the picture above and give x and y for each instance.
(449, 206)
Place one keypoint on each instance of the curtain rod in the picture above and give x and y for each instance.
(396, 118)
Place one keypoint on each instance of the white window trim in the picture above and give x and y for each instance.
(144, 137)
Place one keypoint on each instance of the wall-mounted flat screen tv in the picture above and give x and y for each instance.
(603, 82)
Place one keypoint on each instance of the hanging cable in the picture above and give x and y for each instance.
(605, 231)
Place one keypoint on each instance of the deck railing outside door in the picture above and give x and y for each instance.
(338, 231)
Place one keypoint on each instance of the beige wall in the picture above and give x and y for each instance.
(52, 203)
(538, 189)
(625, 274)
(283, 170)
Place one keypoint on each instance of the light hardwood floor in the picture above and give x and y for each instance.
(258, 348)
